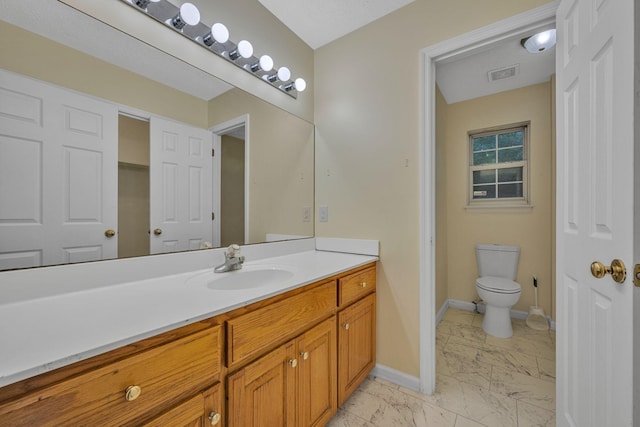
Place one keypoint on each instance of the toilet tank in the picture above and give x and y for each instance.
(497, 260)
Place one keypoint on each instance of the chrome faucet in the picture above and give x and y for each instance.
(232, 260)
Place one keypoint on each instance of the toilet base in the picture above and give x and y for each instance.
(497, 321)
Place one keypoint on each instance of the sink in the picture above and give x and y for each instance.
(249, 277)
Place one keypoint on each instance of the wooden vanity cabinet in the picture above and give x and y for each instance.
(129, 390)
(289, 360)
(293, 385)
(204, 409)
(356, 330)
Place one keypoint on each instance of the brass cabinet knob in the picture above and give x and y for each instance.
(304, 355)
(109, 233)
(363, 284)
(132, 392)
(214, 417)
(157, 231)
(345, 326)
(617, 270)
(293, 363)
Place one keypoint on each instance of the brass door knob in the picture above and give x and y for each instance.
(293, 363)
(617, 270)
(157, 231)
(363, 284)
(109, 233)
(345, 326)
(304, 355)
(132, 392)
(214, 417)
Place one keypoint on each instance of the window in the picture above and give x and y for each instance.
(498, 166)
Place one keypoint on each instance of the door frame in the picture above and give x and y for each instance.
(219, 130)
(429, 56)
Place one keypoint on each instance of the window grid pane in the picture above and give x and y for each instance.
(498, 165)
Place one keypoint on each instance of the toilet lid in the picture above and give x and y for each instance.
(498, 284)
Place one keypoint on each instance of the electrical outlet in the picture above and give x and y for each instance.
(306, 214)
(323, 213)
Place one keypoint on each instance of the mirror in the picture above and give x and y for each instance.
(272, 189)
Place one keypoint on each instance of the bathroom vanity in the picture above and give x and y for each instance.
(287, 353)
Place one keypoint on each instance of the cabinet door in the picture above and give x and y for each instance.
(263, 393)
(317, 374)
(356, 345)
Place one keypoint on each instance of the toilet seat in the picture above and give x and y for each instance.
(498, 285)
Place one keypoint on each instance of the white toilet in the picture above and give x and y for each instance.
(498, 267)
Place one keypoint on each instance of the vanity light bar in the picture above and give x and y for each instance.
(215, 38)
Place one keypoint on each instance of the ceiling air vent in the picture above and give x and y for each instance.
(504, 73)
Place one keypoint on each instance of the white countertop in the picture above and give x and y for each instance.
(41, 334)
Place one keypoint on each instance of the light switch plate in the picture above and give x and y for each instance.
(323, 213)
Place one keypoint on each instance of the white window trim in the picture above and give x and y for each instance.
(511, 203)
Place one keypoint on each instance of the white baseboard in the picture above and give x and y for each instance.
(469, 306)
(441, 312)
(400, 378)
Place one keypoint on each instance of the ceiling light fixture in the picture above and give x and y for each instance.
(185, 20)
(539, 42)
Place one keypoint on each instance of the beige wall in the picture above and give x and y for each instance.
(281, 164)
(246, 19)
(367, 103)
(531, 229)
(133, 141)
(34, 56)
(442, 234)
(232, 191)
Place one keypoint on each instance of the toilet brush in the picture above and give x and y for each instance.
(536, 318)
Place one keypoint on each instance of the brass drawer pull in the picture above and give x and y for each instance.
(293, 363)
(363, 284)
(132, 392)
(304, 355)
(214, 417)
(345, 326)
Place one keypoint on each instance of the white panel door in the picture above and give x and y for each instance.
(180, 186)
(58, 175)
(594, 61)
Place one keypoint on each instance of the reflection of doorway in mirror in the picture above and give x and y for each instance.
(133, 187)
(231, 181)
(232, 187)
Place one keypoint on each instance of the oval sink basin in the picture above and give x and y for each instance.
(245, 278)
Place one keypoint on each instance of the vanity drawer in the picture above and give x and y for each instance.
(165, 374)
(251, 334)
(356, 285)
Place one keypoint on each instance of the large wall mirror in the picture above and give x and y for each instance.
(111, 148)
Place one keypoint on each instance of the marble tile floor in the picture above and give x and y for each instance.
(481, 381)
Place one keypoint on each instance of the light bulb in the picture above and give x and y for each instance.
(188, 15)
(265, 63)
(244, 49)
(300, 84)
(284, 74)
(218, 34)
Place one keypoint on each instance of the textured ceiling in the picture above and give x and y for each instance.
(465, 77)
(319, 22)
